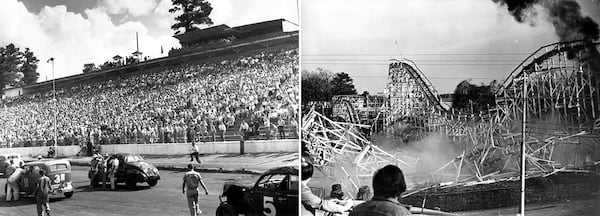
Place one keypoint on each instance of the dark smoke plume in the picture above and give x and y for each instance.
(569, 25)
(565, 15)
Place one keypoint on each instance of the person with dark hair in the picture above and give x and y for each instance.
(364, 193)
(191, 181)
(388, 185)
(42, 189)
(336, 192)
(311, 202)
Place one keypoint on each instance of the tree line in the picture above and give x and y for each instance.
(17, 67)
(322, 85)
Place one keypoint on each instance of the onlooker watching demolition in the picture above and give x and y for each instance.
(364, 193)
(311, 202)
(388, 185)
(336, 192)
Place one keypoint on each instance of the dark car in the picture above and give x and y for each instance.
(274, 193)
(133, 169)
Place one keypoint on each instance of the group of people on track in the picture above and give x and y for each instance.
(14, 173)
(103, 166)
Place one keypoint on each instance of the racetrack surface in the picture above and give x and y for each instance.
(163, 199)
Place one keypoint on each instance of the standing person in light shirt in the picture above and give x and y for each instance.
(191, 181)
(194, 153)
(310, 202)
(112, 171)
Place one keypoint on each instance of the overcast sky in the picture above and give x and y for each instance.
(76, 32)
(449, 40)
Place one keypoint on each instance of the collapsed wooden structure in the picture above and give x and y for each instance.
(342, 153)
(557, 85)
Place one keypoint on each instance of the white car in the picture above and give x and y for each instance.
(5, 161)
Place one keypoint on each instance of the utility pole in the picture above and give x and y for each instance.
(137, 52)
(55, 108)
(524, 140)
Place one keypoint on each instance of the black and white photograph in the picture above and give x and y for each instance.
(457, 107)
(149, 107)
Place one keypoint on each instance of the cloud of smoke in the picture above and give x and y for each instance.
(565, 15)
(568, 21)
(433, 151)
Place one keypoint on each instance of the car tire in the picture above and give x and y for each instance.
(68, 194)
(152, 182)
(226, 210)
(130, 182)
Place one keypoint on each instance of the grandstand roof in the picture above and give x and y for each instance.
(224, 31)
(220, 31)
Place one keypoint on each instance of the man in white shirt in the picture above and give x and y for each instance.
(191, 181)
(13, 184)
(194, 153)
(112, 172)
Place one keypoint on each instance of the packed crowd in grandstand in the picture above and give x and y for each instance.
(206, 101)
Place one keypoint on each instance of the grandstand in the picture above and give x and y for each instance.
(170, 99)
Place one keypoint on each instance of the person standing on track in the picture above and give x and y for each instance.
(14, 174)
(42, 189)
(112, 171)
(93, 169)
(191, 179)
(194, 153)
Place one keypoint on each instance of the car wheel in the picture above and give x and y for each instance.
(130, 182)
(68, 194)
(152, 182)
(226, 210)
(96, 181)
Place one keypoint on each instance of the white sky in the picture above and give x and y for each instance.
(359, 37)
(76, 32)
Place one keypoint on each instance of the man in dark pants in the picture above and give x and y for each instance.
(42, 189)
(280, 128)
(194, 153)
(388, 186)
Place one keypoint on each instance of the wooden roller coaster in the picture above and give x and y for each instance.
(561, 98)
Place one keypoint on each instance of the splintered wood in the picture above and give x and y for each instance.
(343, 154)
(561, 97)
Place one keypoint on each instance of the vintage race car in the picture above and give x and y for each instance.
(133, 169)
(5, 161)
(274, 193)
(59, 172)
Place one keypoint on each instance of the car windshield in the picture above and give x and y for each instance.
(273, 181)
(133, 158)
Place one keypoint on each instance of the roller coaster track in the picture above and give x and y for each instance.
(561, 100)
(423, 83)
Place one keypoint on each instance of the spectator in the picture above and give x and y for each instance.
(154, 105)
(310, 202)
(388, 185)
(280, 129)
(222, 129)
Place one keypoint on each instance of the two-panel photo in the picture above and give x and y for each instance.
(300, 107)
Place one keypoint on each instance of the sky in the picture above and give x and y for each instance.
(76, 32)
(449, 40)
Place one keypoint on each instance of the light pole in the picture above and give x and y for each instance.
(523, 141)
(55, 109)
